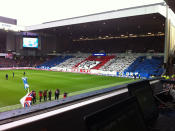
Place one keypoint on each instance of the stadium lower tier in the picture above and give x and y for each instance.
(121, 65)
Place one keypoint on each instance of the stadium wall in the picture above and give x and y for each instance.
(48, 44)
(19, 44)
(2, 41)
(121, 45)
(10, 42)
(63, 44)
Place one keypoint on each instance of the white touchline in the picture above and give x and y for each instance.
(58, 111)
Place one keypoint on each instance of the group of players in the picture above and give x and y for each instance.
(7, 76)
(47, 94)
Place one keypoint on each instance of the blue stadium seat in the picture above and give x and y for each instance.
(53, 62)
(147, 67)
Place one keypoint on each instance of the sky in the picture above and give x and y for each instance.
(32, 12)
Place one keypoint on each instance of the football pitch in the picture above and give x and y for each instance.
(12, 90)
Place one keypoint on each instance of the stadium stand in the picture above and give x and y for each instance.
(72, 62)
(7, 62)
(53, 62)
(147, 67)
(20, 62)
(119, 63)
(94, 62)
(28, 61)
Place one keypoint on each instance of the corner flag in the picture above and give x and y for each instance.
(26, 85)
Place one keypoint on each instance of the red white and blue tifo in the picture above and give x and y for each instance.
(26, 101)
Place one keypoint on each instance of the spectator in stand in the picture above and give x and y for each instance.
(45, 95)
(57, 93)
(50, 95)
(34, 97)
(40, 95)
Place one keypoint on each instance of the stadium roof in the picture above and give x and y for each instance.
(141, 20)
(141, 24)
(158, 8)
(8, 20)
(171, 4)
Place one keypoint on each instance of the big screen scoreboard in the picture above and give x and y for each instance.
(30, 42)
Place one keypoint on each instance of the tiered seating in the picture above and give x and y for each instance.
(70, 63)
(147, 67)
(7, 62)
(20, 62)
(28, 61)
(119, 63)
(94, 62)
(88, 64)
(53, 62)
(133, 67)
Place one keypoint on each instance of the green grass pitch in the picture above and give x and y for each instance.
(12, 90)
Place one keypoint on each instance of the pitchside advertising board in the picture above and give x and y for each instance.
(127, 74)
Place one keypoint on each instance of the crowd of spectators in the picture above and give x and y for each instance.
(107, 63)
(22, 61)
(119, 63)
(72, 62)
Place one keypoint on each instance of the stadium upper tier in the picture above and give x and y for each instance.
(118, 63)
